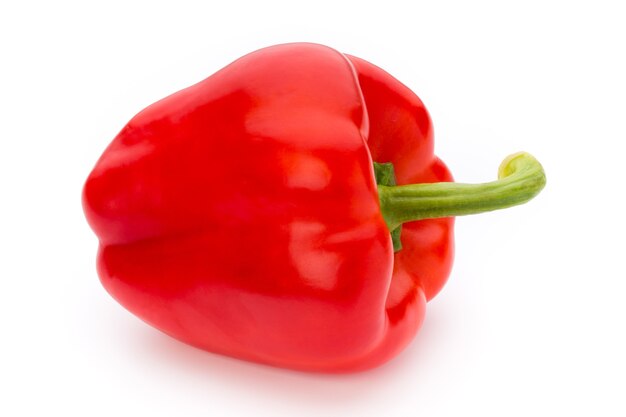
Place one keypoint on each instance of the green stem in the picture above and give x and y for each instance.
(520, 178)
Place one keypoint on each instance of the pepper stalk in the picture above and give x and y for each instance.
(520, 178)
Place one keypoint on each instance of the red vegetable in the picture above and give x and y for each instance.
(242, 215)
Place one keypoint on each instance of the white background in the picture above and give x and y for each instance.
(532, 321)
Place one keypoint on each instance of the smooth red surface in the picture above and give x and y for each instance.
(241, 216)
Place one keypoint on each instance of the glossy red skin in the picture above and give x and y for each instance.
(241, 215)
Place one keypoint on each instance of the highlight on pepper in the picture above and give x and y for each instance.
(287, 210)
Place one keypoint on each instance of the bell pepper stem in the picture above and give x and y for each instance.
(520, 178)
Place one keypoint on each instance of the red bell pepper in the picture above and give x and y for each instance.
(242, 215)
